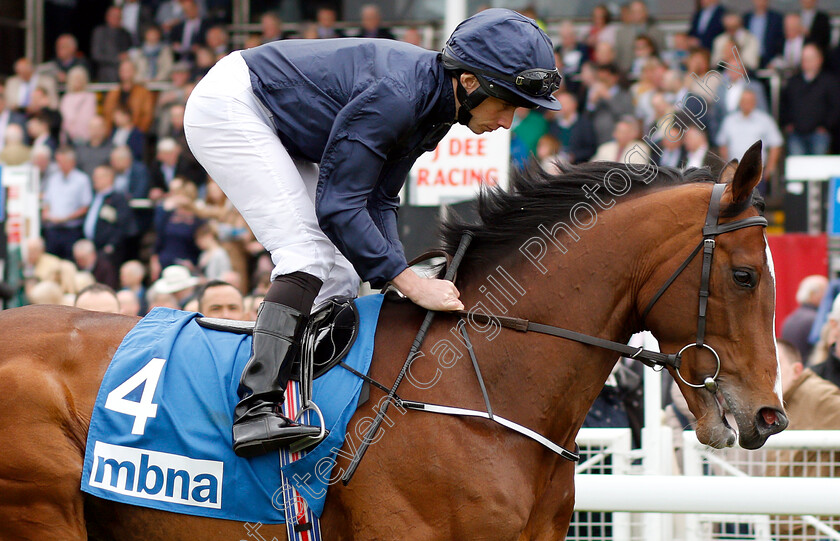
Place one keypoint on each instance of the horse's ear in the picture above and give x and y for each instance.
(745, 175)
(728, 172)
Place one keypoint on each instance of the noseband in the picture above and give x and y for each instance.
(711, 229)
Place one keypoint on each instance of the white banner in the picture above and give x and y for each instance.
(460, 164)
(23, 214)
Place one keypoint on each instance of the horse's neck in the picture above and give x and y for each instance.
(593, 288)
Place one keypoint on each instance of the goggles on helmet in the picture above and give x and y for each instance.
(537, 82)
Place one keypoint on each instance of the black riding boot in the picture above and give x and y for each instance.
(258, 425)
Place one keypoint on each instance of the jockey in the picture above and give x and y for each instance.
(363, 110)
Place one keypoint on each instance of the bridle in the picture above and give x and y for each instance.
(655, 359)
(711, 229)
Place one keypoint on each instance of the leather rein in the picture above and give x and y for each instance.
(711, 229)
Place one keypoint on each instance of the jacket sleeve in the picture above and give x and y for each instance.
(353, 167)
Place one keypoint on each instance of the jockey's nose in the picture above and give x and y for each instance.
(506, 119)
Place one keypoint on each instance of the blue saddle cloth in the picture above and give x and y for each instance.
(160, 432)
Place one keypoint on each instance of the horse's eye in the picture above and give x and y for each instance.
(744, 278)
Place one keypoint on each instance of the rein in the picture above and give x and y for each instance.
(711, 229)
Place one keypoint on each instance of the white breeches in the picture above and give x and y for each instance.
(231, 134)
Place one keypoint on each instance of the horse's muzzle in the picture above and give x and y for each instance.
(769, 420)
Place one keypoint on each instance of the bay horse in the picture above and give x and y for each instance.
(435, 477)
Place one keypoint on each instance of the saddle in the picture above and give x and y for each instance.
(333, 327)
(329, 335)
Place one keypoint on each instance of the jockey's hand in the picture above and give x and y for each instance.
(430, 293)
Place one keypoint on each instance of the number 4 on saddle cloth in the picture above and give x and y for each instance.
(160, 432)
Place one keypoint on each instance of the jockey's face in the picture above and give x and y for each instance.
(490, 115)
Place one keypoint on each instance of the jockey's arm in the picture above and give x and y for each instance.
(358, 189)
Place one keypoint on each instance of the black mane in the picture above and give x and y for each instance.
(536, 197)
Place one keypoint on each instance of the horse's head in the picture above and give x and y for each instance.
(739, 321)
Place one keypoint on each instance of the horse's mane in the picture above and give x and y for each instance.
(537, 197)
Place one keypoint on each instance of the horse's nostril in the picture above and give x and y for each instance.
(771, 420)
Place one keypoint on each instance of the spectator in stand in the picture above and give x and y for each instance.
(791, 56)
(570, 49)
(21, 86)
(604, 53)
(153, 58)
(170, 164)
(87, 260)
(706, 24)
(38, 130)
(132, 275)
(221, 299)
(744, 127)
(638, 23)
(67, 57)
(14, 151)
(168, 14)
(77, 107)
(8, 117)
(157, 299)
(767, 26)
(67, 196)
(130, 177)
(203, 61)
(734, 32)
(676, 55)
(697, 153)
(607, 102)
(625, 147)
(189, 33)
(371, 22)
(98, 298)
(109, 45)
(177, 281)
(129, 305)
(176, 223)
(413, 36)
(816, 23)
(811, 106)
(109, 221)
(811, 402)
(177, 94)
(136, 97)
(97, 149)
(38, 263)
(644, 49)
(573, 130)
(728, 90)
(40, 106)
(673, 153)
(326, 18)
(650, 84)
(42, 160)
(126, 133)
(45, 293)
(214, 260)
(135, 18)
(797, 326)
(601, 29)
(271, 27)
(176, 122)
(217, 41)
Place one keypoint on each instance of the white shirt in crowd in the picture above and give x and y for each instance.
(739, 132)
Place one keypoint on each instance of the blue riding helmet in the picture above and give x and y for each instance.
(512, 58)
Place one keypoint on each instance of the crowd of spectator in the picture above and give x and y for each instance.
(129, 219)
(121, 187)
(625, 81)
